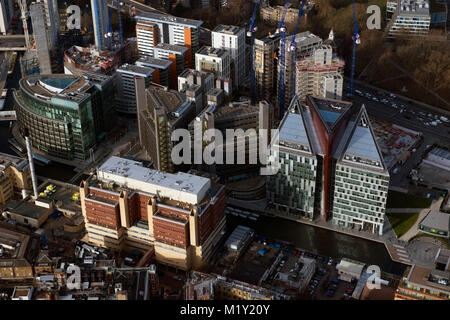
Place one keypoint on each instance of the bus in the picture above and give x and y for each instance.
(16, 147)
(40, 160)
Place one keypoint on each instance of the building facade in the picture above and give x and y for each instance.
(320, 74)
(154, 28)
(6, 14)
(64, 113)
(126, 91)
(216, 61)
(14, 177)
(232, 39)
(410, 17)
(129, 206)
(100, 20)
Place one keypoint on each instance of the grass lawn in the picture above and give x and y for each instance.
(403, 200)
(402, 222)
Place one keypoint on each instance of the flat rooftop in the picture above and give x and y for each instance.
(153, 62)
(227, 29)
(25, 208)
(135, 70)
(165, 18)
(436, 220)
(420, 275)
(181, 186)
(210, 51)
(171, 48)
(7, 160)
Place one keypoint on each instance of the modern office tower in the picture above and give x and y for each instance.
(296, 187)
(153, 28)
(329, 165)
(16, 176)
(232, 39)
(265, 66)
(410, 17)
(100, 20)
(64, 114)
(41, 37)
(191, 77)
(126, 91)
(52, 21)
(361, 179)
(306, 42)
(129, 206)
(160, 112)
(177, 55)
(161, 69)
(216, 61)
(320, 74)
(6, 14)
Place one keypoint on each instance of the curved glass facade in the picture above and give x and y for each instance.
(61, 126)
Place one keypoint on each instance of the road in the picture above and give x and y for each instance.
(410, 118)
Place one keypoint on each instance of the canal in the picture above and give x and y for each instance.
(321, 241)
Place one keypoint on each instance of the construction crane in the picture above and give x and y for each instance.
(282, 30)
(251, 34)
(292, 48)
(24, 11)
(356, 40)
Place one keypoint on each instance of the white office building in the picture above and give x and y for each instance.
(232, 39)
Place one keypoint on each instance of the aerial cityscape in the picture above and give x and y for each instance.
(225, 150)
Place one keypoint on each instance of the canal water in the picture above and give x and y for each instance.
(321, 241)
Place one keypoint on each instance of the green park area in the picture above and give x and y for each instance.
(402, 222)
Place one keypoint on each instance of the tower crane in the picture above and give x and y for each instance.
(356, 40)
(251, 34)
(293, 46)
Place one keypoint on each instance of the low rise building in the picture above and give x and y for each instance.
(436, 223)
(27, 213)
(15, 176)
(349, 270)
(128, 206)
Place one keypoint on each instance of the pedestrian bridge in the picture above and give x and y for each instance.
(8, 115)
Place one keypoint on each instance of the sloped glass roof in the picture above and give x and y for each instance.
(293, 130)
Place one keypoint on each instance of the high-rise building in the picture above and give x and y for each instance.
(232, 39)
(320, 74)
(160, 111)
(216, 61)
(265, 66)
(6, 14)
(193, 77)
(410, 17)
(65, 114)
(153, 28)
(177, 55)
(52, 21)
(126, 91)
(329, 165)
(15, 177)
(100, 20)
(129, 206)
(42, 38)
(305, 44)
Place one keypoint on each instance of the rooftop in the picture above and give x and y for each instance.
(421, 276)
(213, 52)
(153, 62)
(7, 160)
(25, 208)
(330, 110)
(135, 70)
(180, 186)
(171, 48)
(414, 7)
(158, 17)
(436, 220)
(89, 59)
(293, 132)
(227, 29)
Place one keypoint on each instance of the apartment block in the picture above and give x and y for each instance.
(129, 206)
(161, 69)
(154, 28)
(126, 91)
(15, 176)
(265, 61)
(204, 80)
(320, 74)
(232, 39)
(216, 61)
(177, 55)
(410, 17)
